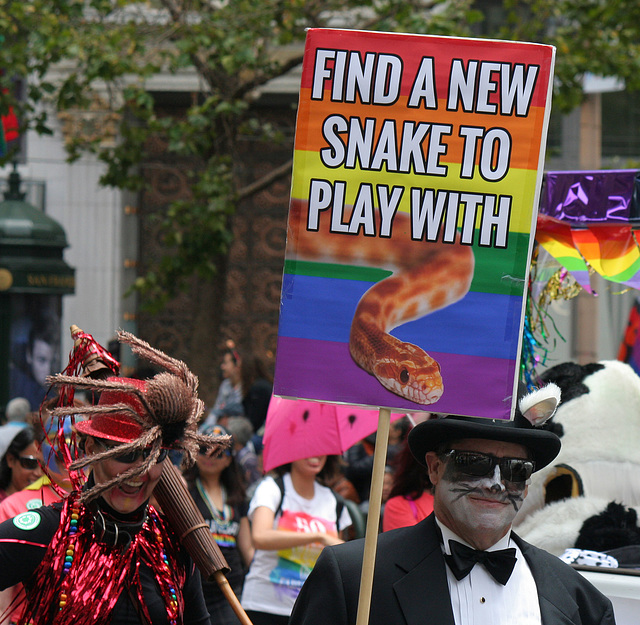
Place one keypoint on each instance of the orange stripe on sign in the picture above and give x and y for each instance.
(524, 151)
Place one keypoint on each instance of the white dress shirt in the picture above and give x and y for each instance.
(478, 599)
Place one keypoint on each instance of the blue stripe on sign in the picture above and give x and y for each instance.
(481, 324)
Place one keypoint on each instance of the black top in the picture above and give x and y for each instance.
(21, 551)
(225, 535)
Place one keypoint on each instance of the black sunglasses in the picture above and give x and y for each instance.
(478, 464)
(30, 463)
(205, 451)
(133, 456)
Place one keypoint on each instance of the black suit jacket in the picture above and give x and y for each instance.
(410, 584)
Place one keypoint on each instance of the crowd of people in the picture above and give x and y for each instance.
(287, 536)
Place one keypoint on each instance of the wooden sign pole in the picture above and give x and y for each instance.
(373, 517)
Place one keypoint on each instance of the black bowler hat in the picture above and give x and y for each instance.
(533, 410)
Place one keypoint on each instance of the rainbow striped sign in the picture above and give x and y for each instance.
(416, 177)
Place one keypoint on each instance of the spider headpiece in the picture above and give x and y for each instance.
(143, 415)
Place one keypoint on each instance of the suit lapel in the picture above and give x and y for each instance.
(551, 591)
(422, 591)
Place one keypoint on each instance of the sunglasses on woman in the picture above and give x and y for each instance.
(133, 456)
(30, 463)
(205, 451)
(477, 464)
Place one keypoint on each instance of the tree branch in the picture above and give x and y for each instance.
(261, 79)
(265, 181)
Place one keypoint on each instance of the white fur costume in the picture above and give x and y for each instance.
(599, 461)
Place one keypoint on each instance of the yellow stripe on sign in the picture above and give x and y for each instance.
(518, 184)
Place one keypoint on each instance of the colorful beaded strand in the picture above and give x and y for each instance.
(69, 553)
(172, 606)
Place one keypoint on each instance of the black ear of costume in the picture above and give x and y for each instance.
(569, 377)
(615, 527)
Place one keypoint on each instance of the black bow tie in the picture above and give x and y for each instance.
(499, 563)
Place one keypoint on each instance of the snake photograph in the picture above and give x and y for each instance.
(426, 277)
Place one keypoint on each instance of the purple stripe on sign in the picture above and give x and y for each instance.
(325, 371)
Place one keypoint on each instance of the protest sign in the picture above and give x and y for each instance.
(417, 170)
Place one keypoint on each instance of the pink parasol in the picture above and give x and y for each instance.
(297, 429)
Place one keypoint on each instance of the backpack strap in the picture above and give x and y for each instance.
(339, 509)
(279, 480)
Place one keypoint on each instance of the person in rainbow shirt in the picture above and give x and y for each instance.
(293, 516)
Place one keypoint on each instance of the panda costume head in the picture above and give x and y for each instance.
(589, 497)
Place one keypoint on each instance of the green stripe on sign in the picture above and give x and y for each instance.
(496, 271)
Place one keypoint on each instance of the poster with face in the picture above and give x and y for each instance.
(34, 344)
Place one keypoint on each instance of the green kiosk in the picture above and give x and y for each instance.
(33, 279)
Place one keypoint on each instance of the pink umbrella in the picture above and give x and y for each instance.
(297, 429)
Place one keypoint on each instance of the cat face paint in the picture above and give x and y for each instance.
(493, 483)
(479, 509)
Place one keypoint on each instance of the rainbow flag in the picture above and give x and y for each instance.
(556, 238)
(586, 223)
(402, 141)
(612, 251)
(609, 249)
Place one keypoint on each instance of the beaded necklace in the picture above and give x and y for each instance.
(69, 553)
(224, 518)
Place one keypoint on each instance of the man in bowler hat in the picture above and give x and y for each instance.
(462, 565)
